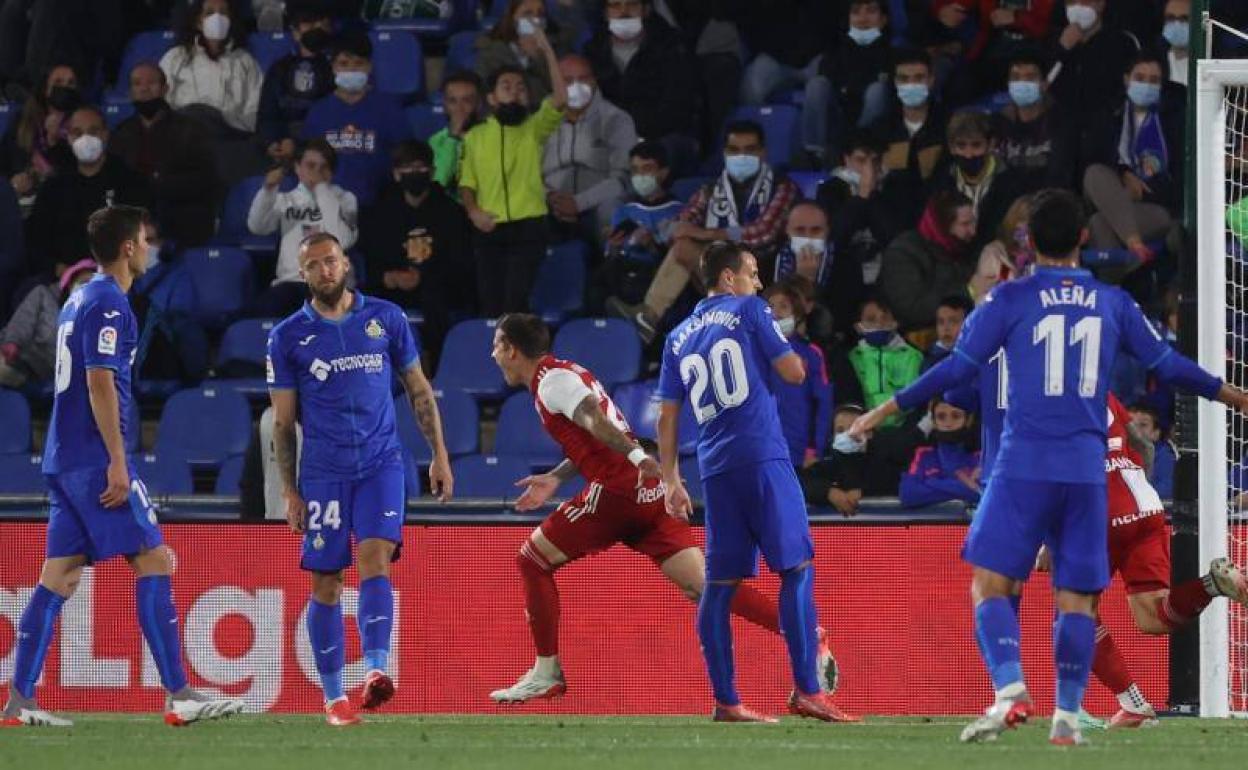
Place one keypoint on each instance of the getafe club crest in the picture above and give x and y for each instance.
(318, 542)
(374, 329)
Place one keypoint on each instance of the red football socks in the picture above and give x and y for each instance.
(541, 599)
(1108, 665)
(751, 604)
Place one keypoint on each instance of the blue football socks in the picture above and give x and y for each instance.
(34, 634)
(1074, 644)
(153, 598)
(996, 630)
(799, 622)
(715, 633)
(375, 618)
(328, 640)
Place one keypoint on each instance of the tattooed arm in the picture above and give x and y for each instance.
(425, 407)
(285, 446)
(589, 415)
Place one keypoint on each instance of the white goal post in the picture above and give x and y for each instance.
(1221, 182)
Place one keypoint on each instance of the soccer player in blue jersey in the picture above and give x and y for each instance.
(1061, 330)
(97, 508)
(331, 365)
(721, 357)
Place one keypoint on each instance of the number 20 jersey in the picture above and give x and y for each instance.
(721, 356)
(1061, 330)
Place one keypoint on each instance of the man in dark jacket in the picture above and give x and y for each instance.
(1090, 61)
(295, 81)
(174, 154)
(913, 133)
(58, 225)
(642, 67)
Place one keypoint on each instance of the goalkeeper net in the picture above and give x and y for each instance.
(1222, 232)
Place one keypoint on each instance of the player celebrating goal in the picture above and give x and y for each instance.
(622, 503)
(721, 356)
(97, 508)
(1061, 330)
(332, 363)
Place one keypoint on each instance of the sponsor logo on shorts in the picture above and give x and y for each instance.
(651, 494)
(107, 343)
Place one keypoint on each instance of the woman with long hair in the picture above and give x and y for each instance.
(35, 144)
(210, 66)
(511, 42)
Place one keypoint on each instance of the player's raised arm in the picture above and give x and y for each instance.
(425, 407)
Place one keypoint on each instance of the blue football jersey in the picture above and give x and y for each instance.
(95, 329)
(986, 397)
(1061, 330)
(721, 356)
(342, 371)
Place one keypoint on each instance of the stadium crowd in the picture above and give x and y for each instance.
(877, 156)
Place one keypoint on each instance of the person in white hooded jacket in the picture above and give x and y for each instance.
(314, 205)
(211, 66)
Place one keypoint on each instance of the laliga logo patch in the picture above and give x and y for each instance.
(107, 344)
(373, 329)
(318, 542)
(319, 370)
(151, 517)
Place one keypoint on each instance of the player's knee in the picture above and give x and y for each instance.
(529, 561)
(327, 587)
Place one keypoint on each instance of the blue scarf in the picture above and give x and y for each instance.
(786, 264)
(1143, 149)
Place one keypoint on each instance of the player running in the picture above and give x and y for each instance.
(720, 357)
(1061, 330)
(331, 365)
(622, 503)
(97, 508)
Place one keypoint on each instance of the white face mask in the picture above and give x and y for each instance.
(842, 443)
(88, 148)
(645, 185)
(1084, 16)
(529, 25)
(579, 95)
(625, 29)
(153, 256)
(787, 325)
(800, 243)
(216, 26)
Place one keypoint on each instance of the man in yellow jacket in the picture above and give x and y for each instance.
(500, 183)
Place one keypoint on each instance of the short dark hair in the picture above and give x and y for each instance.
(111, 226)
(958, 302)
(862, 139)
(463, 77)
(745, 127)
(1026, 58)
(319, 237)
(881, 4)
(1148, 409)
(911, 56)
(1147, 56)
(491, 80)
(354, 42)
(527, 333)
(790, 292)
(718, 257)
(945, 205)
(322, 148)
(968, 124)
(305, 12)
(1056, 222)
(409, 151)
(650, 150)
(879, 301)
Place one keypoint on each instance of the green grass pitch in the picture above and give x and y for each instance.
(520, 742)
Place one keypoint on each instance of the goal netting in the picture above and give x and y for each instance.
(1222, 233)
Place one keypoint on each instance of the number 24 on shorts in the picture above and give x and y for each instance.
(326, 516)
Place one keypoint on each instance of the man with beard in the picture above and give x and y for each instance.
(332, 362)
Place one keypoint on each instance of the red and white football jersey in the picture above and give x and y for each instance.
(1129, 489)
(558, 388)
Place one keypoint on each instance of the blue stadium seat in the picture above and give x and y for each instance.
(461, 425)
(224, 281)
(425, 119)
(268, 47)
(204, 426)
(398, 66)
(692, 477)
(8, 112)
(520, 433)
(636, 401)
(559, 290)
(779, 122)
(461, 51)
(147, 46)
(422, 27)
(22, 475)
(15, 422)
(608, 347)
(466, 363)
(683, 189)
(488, 476)
(240, 359)
(163, 474)
(230, 476)
(116, 112)
(808, 182)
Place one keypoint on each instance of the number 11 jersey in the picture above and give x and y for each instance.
(721, 356)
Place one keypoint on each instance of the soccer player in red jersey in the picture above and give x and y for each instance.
(622, 503)
(1139, 549)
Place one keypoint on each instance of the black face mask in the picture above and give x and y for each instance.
(960, 436)
(315, 40)
(511, 114)
(64, 98)
(971, 166)
(416, 183)
(149, 108)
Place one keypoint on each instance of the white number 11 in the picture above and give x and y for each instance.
(1087, 334)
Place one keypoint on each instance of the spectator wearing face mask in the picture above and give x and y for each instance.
(461, 99)
(174, 154)
(28, 339)
(1135, 152)
(296, 81)
(810, 253)
(501, 186)
(805, 409)
(210, 67)
(913, 133)
(57, 229)
(585, 165)
(855, 70)
(749, 202)
(883, 361)
(1031, 136)
(513, 43)
(850, 471)
(951, 313)
(418, 245)
(1175, 31)
(947, 468)
(1090, 56)
(923, 266)
(315, 205)
(641, 230)
(362, 125)
(34, 146)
